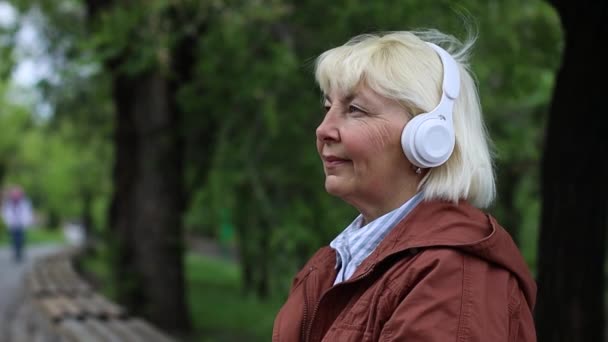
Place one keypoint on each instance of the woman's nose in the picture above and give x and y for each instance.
(328, 129)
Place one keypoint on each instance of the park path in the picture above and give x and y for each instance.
(12, 281)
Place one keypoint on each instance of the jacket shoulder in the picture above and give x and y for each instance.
(449, 287)
(442, 262)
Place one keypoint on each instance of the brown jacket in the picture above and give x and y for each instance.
(445, 273)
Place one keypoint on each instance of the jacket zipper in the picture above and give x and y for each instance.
(307, 332)
(305, 311)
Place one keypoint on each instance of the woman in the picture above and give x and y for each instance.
(403, 141)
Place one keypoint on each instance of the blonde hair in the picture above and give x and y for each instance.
(400, 66)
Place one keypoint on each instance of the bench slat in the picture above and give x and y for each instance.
(123, 329)
(72, 310)
(75, 331)
(152, 334)
(102, 329)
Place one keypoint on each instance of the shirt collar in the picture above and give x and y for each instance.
(357, 241)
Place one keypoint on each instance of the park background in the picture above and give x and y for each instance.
(180, 135)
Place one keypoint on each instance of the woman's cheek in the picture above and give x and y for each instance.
(380, 137)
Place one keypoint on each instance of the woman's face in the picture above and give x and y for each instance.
(359, 142)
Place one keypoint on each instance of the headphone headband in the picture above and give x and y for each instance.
(451, 76)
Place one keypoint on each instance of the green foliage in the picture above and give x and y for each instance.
(55, 171)
(14, 122)
(127, 32)
(61, 159)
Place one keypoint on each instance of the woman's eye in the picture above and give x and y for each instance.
(353, 109)
(326, 108)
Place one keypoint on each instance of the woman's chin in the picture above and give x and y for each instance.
(334, 186)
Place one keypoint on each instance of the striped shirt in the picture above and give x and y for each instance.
(357, 242)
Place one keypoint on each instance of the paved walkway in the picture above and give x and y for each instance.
(12, 281)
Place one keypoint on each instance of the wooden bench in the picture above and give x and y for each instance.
(74, 312)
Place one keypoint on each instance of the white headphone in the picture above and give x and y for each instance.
(428, 139)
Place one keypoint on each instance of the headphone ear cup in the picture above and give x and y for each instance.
(428, 140)
(408, 142)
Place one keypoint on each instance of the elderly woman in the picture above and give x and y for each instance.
(403, 141)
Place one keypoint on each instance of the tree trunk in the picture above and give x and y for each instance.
(87, 214)
(574, 187)
(511, 217)
(253, 244)
(246, 224)
(159, 204)
(148, 201)
(262, 288)
(122, 206)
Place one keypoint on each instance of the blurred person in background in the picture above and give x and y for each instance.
(17, 216)
(403, 141)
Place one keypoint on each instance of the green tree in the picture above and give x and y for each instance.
(14, 121)
(147, 63)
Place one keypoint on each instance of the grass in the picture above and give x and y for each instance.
(37, 236)
(220, 311)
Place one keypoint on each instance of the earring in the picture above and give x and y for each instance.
(418, 170)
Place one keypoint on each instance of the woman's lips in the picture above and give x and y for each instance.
(332, 161)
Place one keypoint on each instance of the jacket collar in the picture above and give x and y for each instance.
(444, 224)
